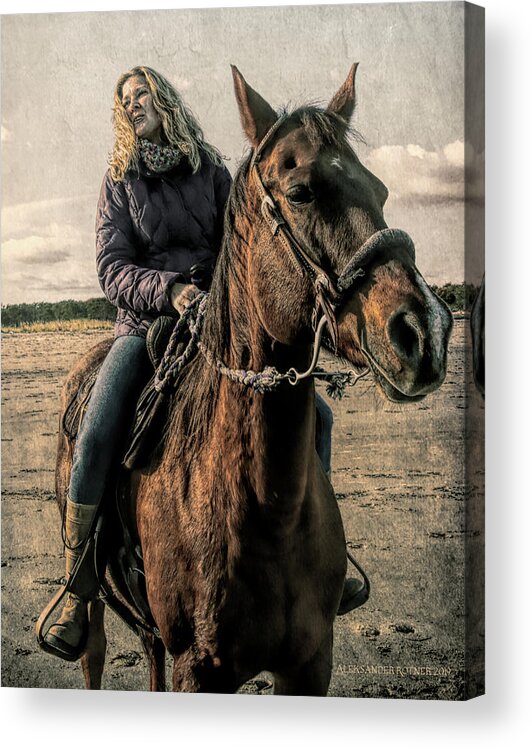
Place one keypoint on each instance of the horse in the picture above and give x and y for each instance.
(242, 539)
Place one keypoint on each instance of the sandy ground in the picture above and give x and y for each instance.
(399, 476)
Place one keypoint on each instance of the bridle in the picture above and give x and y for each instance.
(328, 294)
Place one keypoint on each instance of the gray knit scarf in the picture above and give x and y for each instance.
(159, 158)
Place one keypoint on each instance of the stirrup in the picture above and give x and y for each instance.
(60, 594)
(361, 595)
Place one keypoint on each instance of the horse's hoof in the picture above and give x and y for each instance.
(354, 595)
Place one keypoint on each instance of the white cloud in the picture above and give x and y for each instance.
(24, 283)
(415, 174)
(45, 280)
(52, 245)
(416, 151)
(48, 250)
(25, 219)
(455, 153)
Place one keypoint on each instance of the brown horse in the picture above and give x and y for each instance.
(242, 539)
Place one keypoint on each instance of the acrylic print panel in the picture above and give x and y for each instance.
(407, 476)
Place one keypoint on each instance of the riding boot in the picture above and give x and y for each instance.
(68, 636)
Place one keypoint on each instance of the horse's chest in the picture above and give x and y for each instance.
(274, 616)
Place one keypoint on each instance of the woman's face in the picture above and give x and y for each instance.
(138, 103)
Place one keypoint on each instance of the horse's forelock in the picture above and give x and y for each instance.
(322, 126)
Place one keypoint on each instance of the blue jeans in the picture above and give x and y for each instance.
(109, 417)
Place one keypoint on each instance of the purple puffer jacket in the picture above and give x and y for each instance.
(150, 230)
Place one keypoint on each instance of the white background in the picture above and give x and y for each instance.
(503, 716)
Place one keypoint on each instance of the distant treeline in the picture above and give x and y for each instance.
(457, 296)
(14, 315)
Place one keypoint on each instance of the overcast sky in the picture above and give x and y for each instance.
(58, 76)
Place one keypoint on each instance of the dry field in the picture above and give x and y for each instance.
(399, 476)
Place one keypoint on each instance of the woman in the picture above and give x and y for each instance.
(160, 214)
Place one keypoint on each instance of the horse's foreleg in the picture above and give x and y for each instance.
(184, 674)
(312, 679)
(155, 652)
(93, 659)
(193, 676)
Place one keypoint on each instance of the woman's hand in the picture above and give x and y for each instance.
(181, 295)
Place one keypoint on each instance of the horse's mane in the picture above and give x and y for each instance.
(197, 388)
(199, 384)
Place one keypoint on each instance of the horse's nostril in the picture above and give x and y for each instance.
(405, 335)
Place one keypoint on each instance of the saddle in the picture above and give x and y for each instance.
(114, 542)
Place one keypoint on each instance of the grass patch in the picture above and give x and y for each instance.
(61, 325)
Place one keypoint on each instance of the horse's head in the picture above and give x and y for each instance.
(304, 172)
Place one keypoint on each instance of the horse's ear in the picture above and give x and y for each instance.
(256, 114)
(343, 101)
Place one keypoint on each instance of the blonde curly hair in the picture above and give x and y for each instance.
(180, 127)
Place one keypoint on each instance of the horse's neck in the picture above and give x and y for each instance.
(276, 431)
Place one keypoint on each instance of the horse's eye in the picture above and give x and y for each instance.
(290, 163)
(299, 194)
